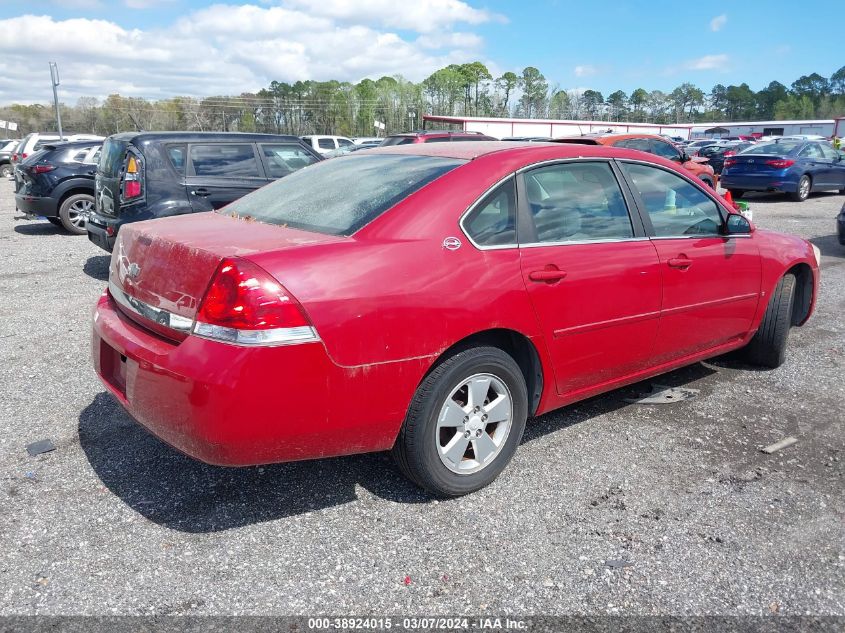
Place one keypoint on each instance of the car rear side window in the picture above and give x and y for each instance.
(492, 222)
(438, 139)
(574, 202)
(640, 144)
(225, 160)
(397, 140)
(341, 195)
(177, 155)
(285, 159)
(665, 150)
(326, 143)
(676, 207)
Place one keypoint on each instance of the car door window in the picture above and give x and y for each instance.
(285, 159)
(227, 160)
(493, 220)
(811, 151)
(675, 207)
(640, 144)
(665, 150)
(828, 152)
(342, 142)
(574, 202)
(326, 143)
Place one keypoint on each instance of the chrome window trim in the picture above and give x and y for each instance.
(584, 242)
(479, 200)
(151, 313)
(702, 236)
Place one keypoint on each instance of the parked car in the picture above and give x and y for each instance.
(149, 175)
(529, 139)
(716, 154)
(795, 167)
(385, 301)
(653, 144)
(694, 146)
(57, 182)
(367, 140)
(6, 152)
(34, 141)
(323, 144)
(433, 136)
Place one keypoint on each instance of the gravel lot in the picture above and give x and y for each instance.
(115, 522)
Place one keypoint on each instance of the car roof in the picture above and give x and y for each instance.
(187, 137)
(470, 150)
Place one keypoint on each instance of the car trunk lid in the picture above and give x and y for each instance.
(160, 269)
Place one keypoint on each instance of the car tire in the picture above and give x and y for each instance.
(768, 346)
(802, 192)
(71, 211)
(736, 193)
(5, 170)
(444, 413)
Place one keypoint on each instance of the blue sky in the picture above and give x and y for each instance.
(156, 48)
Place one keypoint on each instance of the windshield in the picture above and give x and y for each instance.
(783, 147)
(341, 195)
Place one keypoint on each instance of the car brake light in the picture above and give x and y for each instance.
(730, 162)
(43, 169)
(729, 153)
(246, 306)
(780, 162)
(132, 181)
(24, 156)
(15, 156)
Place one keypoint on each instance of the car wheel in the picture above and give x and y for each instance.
(75, 211)
(803, 190)
(736, 193)
(768, 347)
(464, 423)
(5, 170)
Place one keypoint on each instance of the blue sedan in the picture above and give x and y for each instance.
(795, 167)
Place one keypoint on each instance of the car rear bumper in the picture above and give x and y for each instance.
(758, 183)
(36, 206)
(234, 406)
(102, 232)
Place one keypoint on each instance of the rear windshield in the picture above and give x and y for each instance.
(783, 147)
(111, 158)
(341, 195)
(397, 140)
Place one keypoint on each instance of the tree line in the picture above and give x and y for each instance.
(323, 107)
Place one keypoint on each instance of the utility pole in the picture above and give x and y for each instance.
(54, 75)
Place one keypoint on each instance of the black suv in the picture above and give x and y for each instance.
(57, 182)
(147, 175)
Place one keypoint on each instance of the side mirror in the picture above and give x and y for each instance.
(737, 224)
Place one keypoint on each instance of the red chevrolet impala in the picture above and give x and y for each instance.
(429, 298)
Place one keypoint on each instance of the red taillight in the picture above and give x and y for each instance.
(24, 156)
(131, 189)
(780, 163)
(245, 305)
(730, 162)
(43, 168)
(15, 157)
(729, 153)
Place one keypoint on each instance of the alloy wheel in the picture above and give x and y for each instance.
(474, 423)
(80, 211)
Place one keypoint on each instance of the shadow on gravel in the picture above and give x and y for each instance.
(40, 228)
(609, 402)
(97, 267)
(829, 245)
(183, 494)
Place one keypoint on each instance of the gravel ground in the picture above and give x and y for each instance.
(115, 522)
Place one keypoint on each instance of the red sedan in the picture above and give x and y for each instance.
(430, 298)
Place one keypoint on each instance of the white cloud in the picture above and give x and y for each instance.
(585, 71)
(420, 15)
(718, 22)
(228, 49)
(708, 62)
